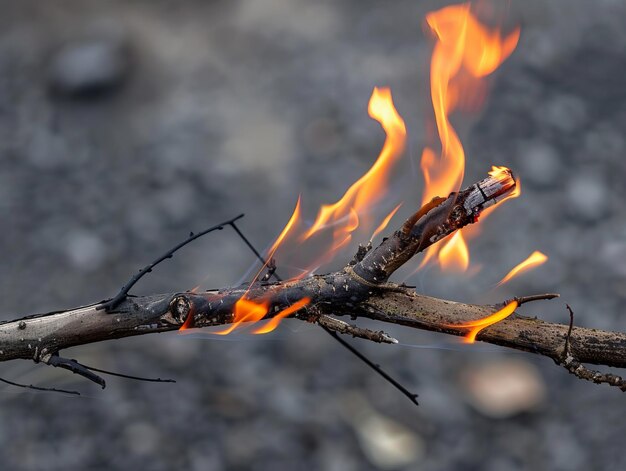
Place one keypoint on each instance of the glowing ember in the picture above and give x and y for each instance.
(534, 260)
(480, 324)
(464, 52)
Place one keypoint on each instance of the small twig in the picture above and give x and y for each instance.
(571, 364)
(342, 327)
(333, 334)
(566, 352)
(136, 378)
(535, 297)
(121, 295)
(412, 396)
(248, 243)
(38, 388)
(75, 367)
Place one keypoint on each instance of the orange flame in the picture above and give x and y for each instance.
(534, 260)
(385, 222)
(246, 310)
(274, 321)
(454, 255)
(464, 48)
(480, 324)
(295, 216)
(370, 188)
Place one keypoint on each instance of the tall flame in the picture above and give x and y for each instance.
(464, 48)
(371, 187)
(534, 260)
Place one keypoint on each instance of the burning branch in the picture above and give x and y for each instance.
(465, 52)
(360, 290)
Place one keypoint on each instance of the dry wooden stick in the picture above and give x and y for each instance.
(359, 290)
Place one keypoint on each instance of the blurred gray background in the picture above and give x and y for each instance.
(126, 124)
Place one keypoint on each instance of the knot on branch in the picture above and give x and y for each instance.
(180, 307)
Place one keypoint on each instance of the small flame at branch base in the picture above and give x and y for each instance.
(480, 324)
(274, 321)
(247, 310)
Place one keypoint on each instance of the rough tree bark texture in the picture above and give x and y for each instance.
(359, 290)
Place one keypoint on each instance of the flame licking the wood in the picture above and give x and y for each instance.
(480, 324)
(464, 53)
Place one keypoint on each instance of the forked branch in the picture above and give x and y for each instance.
(361, 290)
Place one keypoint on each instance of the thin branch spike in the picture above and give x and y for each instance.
(535, 297)
(136, 378)
(76, 368)
(412, 396)
(39, 388)
(121, 295)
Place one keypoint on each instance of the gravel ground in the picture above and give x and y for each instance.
(125, 125)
